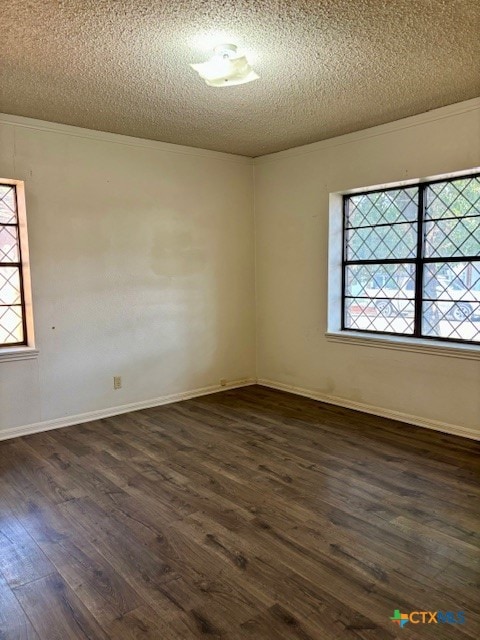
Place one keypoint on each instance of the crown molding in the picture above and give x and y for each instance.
(449, 111)
(117, 138)
(104, 136)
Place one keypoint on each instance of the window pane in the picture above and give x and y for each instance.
(380, 297)
(451, 300)
(9, 286)
(391, 252)
(450, 238)
(8, 205)
(397, 242)
(386, 207)
(11, 326)
(380, 281)
(457, 198)
(382, 316)
(9, 244)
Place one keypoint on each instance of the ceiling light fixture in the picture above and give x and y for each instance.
(225, 68)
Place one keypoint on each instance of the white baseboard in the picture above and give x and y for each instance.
(67, 421)
(57, 423)
(436, 425)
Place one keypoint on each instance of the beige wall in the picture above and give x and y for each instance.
(142, 259)
(292, 213)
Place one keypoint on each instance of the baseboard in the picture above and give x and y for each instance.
(68, 421)
(444, 427)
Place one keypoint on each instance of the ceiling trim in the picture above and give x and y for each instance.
(104, 136)
(117, 138)
(382, 129)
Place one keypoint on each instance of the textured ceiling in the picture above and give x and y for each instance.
(327, 67)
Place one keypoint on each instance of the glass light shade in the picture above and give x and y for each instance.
(225, 68)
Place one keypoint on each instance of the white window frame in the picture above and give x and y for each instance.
(28, 350)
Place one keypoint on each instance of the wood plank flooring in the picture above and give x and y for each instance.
(250, 513)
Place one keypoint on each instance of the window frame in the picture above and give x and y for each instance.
(23, 265)
(418, 261)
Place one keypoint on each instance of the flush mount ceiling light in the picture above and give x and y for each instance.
(225, 68)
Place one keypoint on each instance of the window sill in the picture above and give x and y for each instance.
(417, 345)
(8, 354)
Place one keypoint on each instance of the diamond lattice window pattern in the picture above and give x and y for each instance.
(412, 261)
(11, 295)
(8, 205)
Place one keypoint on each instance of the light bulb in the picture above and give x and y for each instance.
(226, 67)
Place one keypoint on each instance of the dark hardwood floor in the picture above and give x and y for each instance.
(245, 514)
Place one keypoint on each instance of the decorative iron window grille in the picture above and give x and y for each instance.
(411, 261)
(13, 328)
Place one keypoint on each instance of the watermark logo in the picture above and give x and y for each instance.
(399, 618)
(427, 617)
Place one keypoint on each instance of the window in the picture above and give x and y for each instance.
(411, 261)
(14, 276)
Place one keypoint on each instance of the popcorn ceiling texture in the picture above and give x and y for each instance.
(327, 67)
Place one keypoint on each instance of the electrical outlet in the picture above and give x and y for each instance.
(223, 382)
(117, 382)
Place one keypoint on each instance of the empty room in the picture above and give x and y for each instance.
(240, 319)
